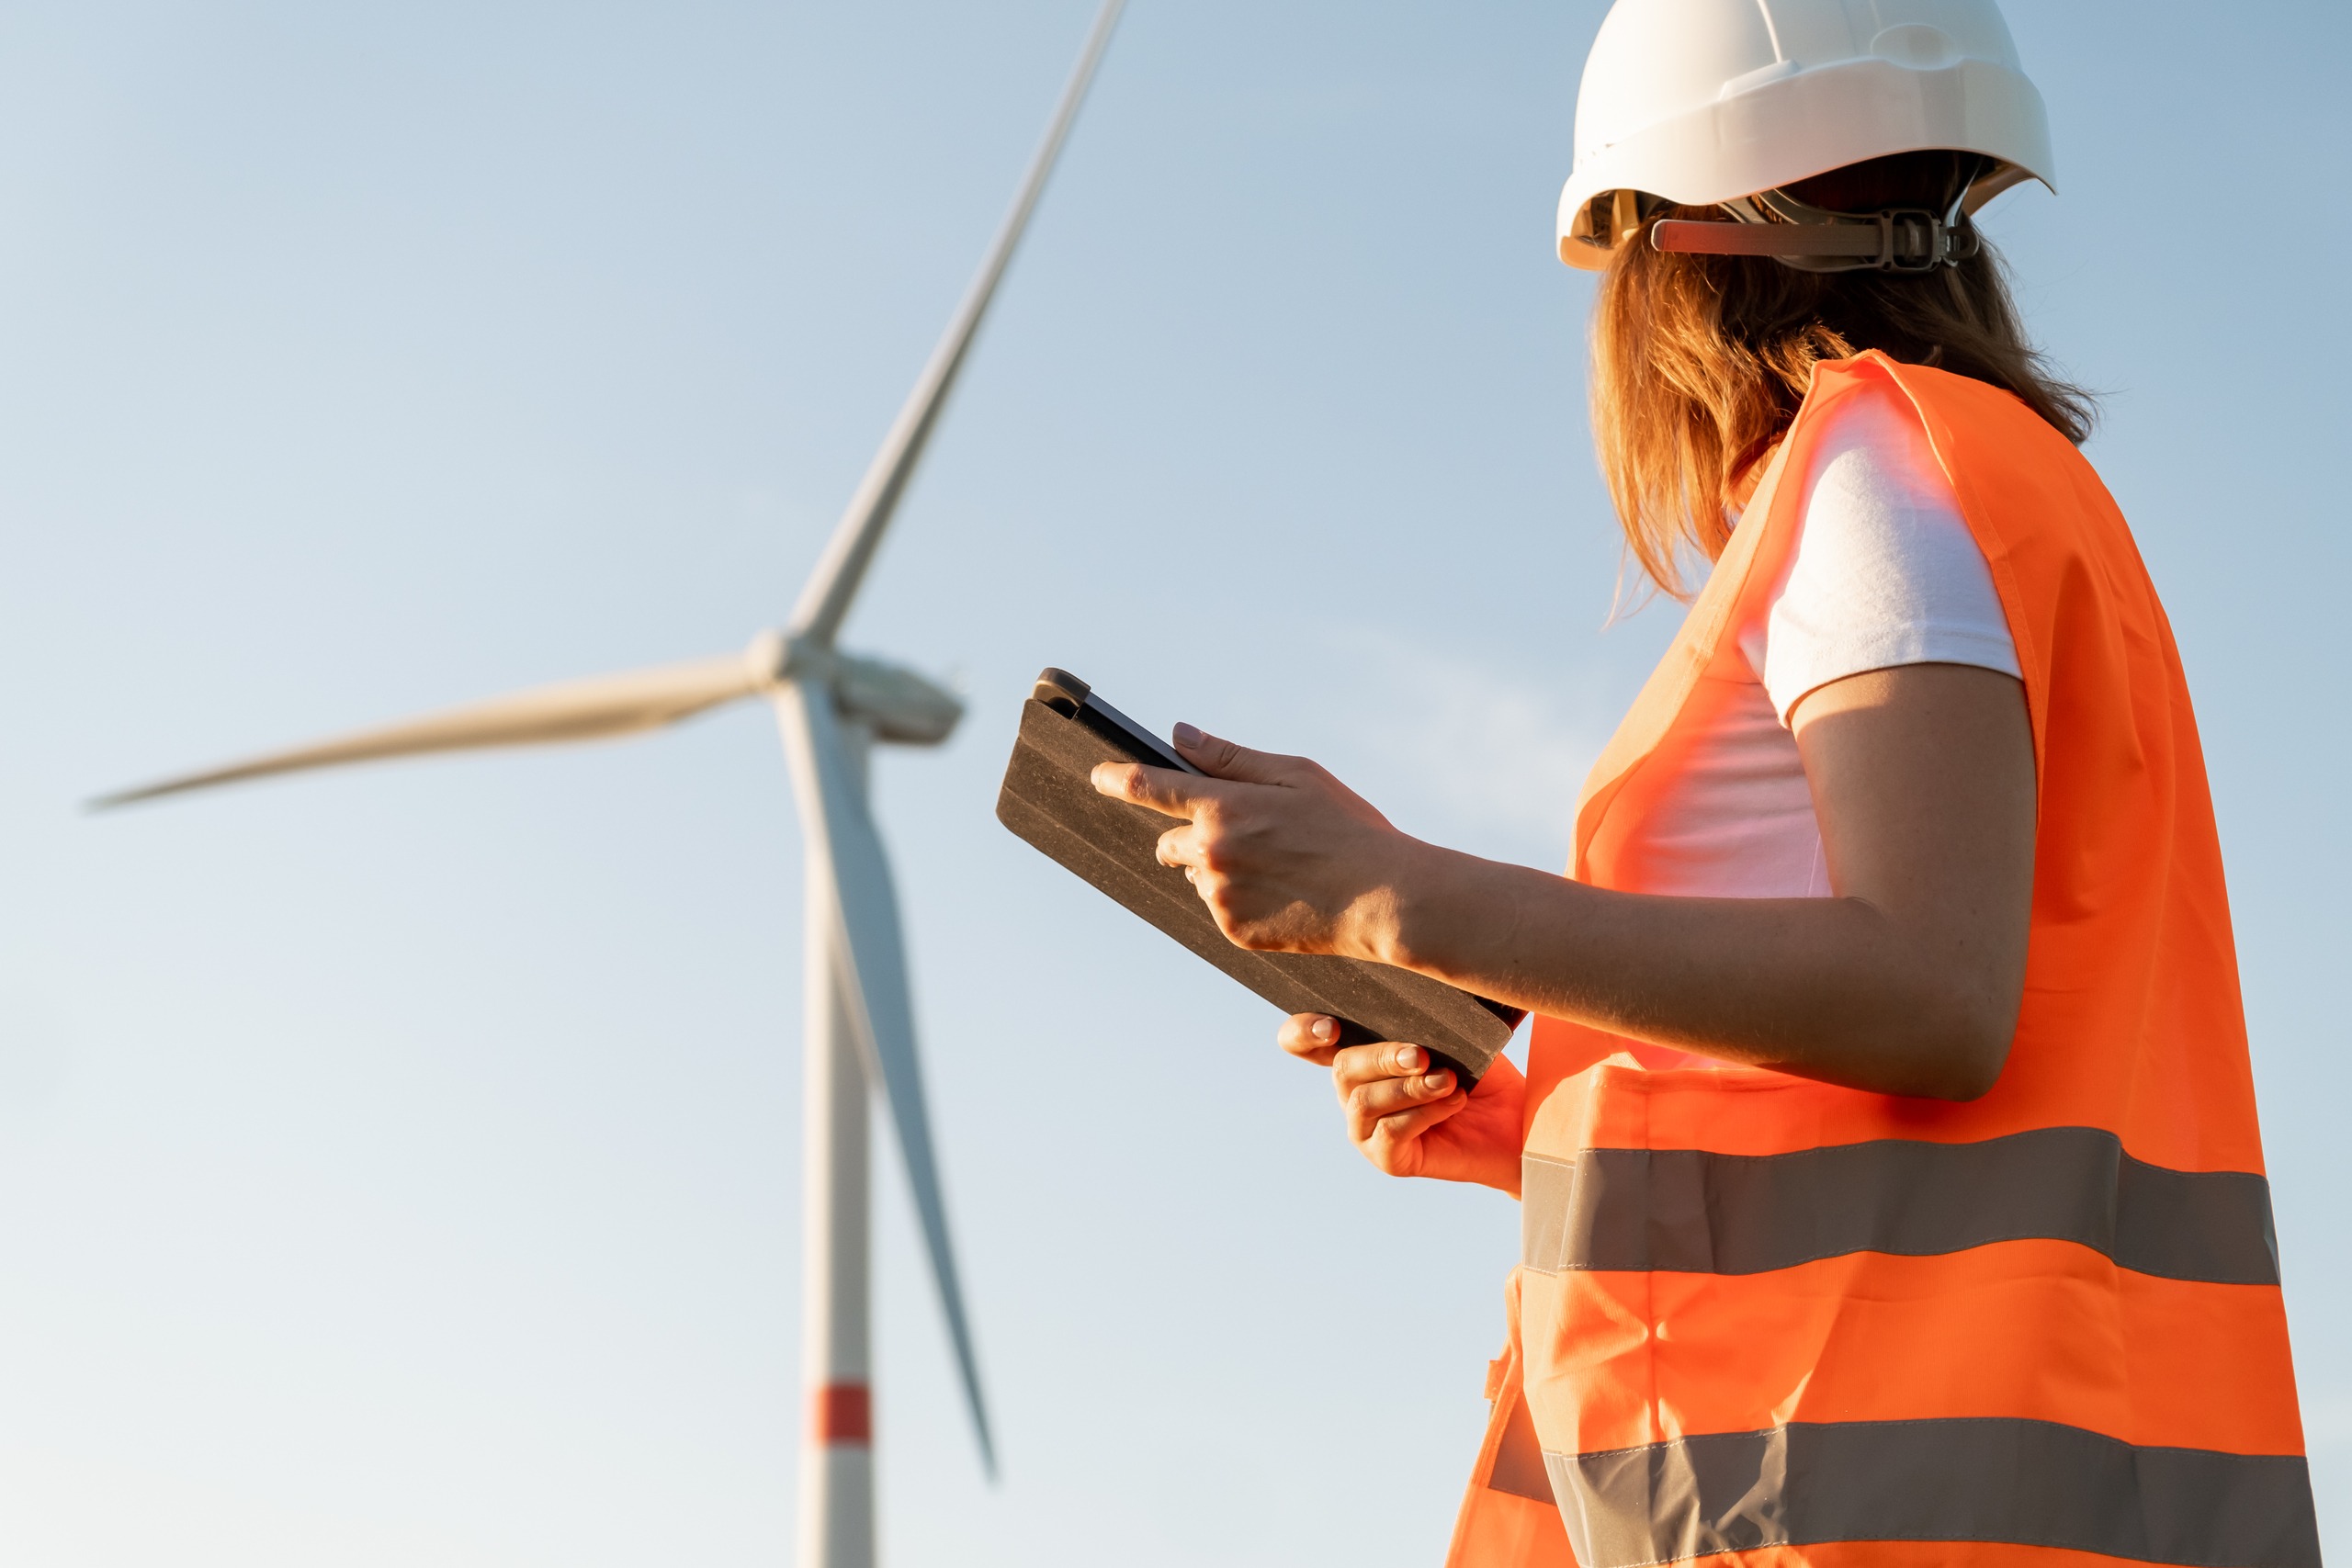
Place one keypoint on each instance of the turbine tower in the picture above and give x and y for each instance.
(859, 1037)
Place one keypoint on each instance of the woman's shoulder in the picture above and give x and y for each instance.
(1884, 571)
(1871, 453)
(1983, 413)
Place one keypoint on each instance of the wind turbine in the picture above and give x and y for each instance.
(859, 1036)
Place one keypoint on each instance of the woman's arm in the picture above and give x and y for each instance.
(1906, 981)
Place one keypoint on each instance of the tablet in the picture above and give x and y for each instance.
(1049, 799)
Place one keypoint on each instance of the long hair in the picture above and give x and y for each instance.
(1700, 362)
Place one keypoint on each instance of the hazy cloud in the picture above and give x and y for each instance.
(1484, 756)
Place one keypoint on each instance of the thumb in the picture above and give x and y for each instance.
(1223, 760)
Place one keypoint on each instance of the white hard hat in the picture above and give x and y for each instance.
(1702, 102)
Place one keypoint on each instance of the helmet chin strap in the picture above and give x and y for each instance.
(1812, 239)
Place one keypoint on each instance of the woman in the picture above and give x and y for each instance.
(1892, 1186)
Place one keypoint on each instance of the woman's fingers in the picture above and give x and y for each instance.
(1181, 846)
(1310, 1036)
(1162, 789)
(1222, 759)
(1360, 1065)
(1389, 1145)
(1370, 1106)
(1390, 1096)
(1390, 1093)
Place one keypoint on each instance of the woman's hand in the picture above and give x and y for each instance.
(1409, 1121)
(1286, 857)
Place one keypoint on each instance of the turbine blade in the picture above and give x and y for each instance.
(825, 600)
(572, 710)
(846, 853)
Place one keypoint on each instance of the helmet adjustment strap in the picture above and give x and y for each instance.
(1812, 239)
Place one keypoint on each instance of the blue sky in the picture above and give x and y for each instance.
(403, 1165)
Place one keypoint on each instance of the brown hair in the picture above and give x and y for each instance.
(1699, 361)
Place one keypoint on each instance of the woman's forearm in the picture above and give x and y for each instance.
(1907, 983)
(1827, 989)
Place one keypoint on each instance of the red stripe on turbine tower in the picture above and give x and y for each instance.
(844, 1413)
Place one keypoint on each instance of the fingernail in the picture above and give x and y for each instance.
(1410, 1059)
(1186, 736)
(1439, 1083)
(1323, 1029)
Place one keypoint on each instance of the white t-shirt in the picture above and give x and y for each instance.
(1883, 572)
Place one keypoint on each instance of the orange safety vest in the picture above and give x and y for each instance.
(1769, 1321)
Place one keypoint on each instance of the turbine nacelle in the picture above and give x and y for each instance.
(898, 705)
(893, 703)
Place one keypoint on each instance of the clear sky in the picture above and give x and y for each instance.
(402, 1165)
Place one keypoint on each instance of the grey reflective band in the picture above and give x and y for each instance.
(1520, 1467)
(2018, 1483)
(1688, 1211)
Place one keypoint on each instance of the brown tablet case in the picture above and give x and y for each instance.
(1049, 800)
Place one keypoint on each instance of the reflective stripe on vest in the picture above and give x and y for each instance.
(1694, 1211)
(2022, 1483)
(1761, 1312)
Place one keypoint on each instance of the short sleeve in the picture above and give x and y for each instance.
(1884, 572)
